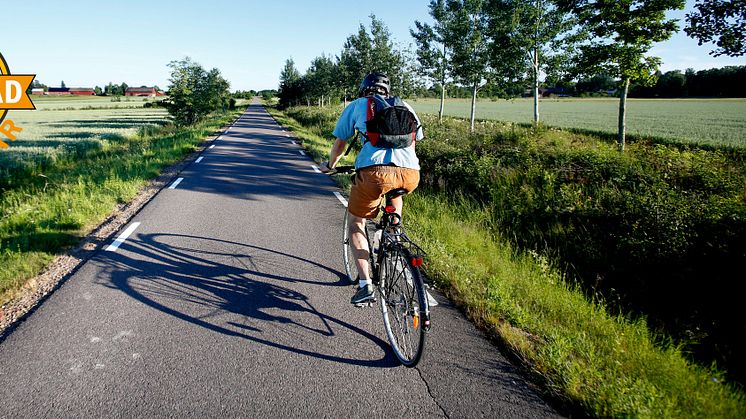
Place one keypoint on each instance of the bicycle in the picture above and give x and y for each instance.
(395, 273)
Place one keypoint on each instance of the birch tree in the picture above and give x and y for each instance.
(539, 32)
(467, 30)
(621, 32)
(433, 52)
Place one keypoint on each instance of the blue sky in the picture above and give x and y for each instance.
(88, 43)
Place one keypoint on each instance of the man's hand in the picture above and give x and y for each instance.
(324, 167)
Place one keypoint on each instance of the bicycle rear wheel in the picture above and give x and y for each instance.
(403, 305)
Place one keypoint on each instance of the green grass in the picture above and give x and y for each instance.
(92, 161)
(704, 121)
(595, 362)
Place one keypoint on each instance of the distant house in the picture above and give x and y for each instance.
(37, 91)
(142, 91)
(77, 91)
(82, 91)
(58, 91)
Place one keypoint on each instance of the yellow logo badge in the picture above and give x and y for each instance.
(13, 96)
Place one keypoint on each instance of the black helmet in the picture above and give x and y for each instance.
(374, 83)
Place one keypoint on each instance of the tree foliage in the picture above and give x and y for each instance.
(290, 89)
(195, 93)
(620, 33)
(333, 78)
(468, 35)
(722, 22)
(531, 37)
(366, 52)
(434, 48)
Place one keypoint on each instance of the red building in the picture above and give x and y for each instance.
(82, 91)
(142, 91)
(58, 91)
(77, 91)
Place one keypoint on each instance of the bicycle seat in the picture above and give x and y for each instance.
(396, 192)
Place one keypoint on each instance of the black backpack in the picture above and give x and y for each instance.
(389, 123)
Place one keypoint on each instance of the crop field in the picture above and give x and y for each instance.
(706, 121)
(64, 124)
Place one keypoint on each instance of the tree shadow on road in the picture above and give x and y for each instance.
(239, 290)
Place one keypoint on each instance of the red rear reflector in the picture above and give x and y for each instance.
(416, 261)
(390, 209)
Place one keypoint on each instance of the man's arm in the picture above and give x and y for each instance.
(334, 155)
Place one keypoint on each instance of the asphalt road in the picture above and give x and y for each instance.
(228, 299)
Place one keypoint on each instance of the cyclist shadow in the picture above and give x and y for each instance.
(236, 290)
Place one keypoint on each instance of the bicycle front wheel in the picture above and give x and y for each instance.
(403, 305)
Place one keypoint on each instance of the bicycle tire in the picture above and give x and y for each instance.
(403, 303)
(348, 252)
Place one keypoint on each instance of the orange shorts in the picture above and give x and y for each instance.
(371, 183)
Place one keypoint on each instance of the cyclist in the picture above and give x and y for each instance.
(378, 171)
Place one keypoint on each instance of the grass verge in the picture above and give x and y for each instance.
(51, 211)
(592, 361)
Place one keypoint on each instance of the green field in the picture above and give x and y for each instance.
(64, 124)
(707, 121)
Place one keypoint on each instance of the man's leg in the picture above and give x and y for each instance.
(356, 225)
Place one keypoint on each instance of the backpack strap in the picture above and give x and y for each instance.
(369, 115)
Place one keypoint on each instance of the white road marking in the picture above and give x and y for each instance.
(199, 160)
(122, 237)
(212, 146)
(431, 300)
(287, 135)
(176, 183)
(315, 168)
(302, 153)
(219, 137)
(341, 198)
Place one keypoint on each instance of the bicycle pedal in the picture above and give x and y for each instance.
(368, 303)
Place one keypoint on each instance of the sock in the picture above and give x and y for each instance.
(363, 282)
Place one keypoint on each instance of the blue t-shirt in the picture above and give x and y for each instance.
(353, 117)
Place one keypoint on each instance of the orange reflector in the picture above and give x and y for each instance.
(389, 209)
(416, 322)
(416, 262)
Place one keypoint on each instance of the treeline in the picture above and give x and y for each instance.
(331, 79)
(717, 82)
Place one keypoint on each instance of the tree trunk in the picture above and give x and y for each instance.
(622, 135)
(536, 86)
(473, 105)
(442, 87)
(442, 101)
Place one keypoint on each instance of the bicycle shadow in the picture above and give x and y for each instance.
(237, 290)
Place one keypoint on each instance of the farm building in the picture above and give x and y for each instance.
(58, 91)
(78, 91)
(37, 91)
(82, 91)
(142, 91)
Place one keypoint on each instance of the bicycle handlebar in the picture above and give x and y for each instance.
(341, 170)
